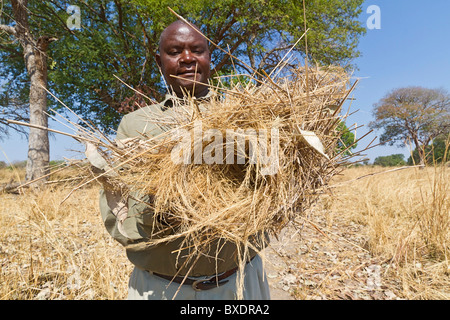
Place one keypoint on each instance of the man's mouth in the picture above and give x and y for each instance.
(187, 73)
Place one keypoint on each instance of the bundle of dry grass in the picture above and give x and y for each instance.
(245, 163)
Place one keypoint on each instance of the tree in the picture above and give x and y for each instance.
(117, 39)
(437, 152)
(120, 38)
(390, 161)
(260, 32)
(257, 32)
(34, 50)
(412, 115)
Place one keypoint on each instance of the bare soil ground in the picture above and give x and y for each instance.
(316, 262)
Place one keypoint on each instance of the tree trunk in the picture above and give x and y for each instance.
(38, 142)
(36, 63)
(420, 150)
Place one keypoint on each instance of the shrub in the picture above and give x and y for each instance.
(390, 161)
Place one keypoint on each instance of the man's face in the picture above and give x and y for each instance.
(184, 53)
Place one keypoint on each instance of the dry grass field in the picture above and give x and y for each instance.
(381, 235)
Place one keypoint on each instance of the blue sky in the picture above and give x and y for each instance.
(412, 48)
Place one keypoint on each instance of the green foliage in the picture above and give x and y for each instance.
(56, 163)
(347, 139)
(390, 161)
(17, 165)
(120, 38)
(437, 152)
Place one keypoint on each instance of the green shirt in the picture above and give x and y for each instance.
(134, 230)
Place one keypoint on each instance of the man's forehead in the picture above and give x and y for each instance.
(180, 31)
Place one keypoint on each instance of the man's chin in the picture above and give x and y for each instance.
(188, 87)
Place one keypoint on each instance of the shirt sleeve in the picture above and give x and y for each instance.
(128, 219)
(122, 130)
(110, 220)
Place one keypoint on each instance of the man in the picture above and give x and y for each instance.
(184, 53)
(160, 270)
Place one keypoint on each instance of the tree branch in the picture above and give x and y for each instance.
(8, 29)
(225, 58)
(58, 18)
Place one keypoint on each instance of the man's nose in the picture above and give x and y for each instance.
(187, 57)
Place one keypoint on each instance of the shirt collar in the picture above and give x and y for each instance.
(170, 99)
